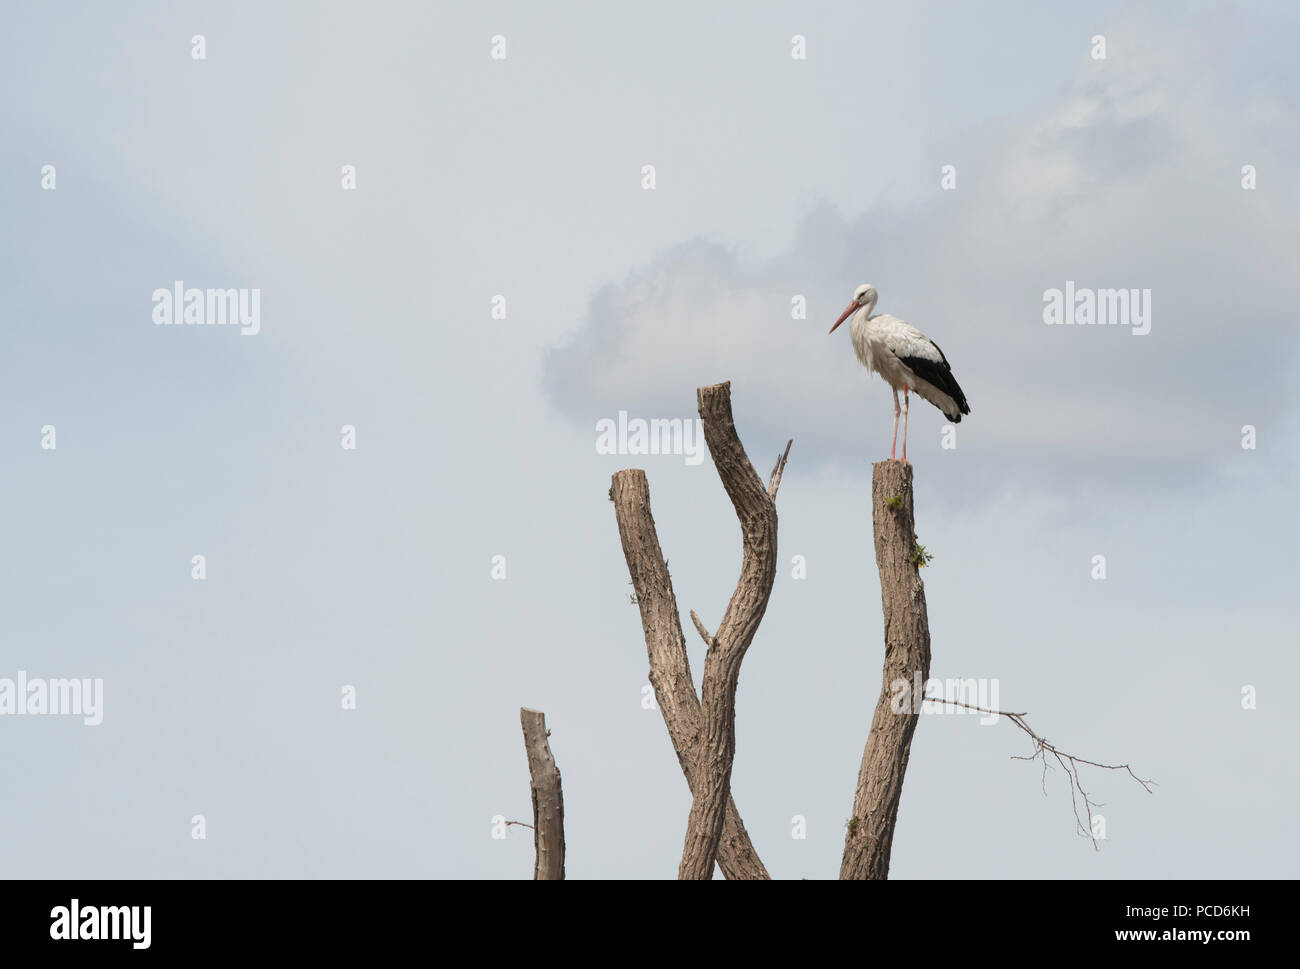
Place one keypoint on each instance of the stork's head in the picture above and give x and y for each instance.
(864, 295)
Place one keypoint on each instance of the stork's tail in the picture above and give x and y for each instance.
(950, 400)
(956, 400)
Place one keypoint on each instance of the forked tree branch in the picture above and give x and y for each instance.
(756, 510)
(670, 670)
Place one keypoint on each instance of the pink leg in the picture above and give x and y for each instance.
(894, 443)
(905, 461)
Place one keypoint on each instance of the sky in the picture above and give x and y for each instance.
(502, 278)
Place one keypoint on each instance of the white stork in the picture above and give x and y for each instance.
(904, 357)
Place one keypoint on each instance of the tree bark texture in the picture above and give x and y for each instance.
(670, 669)
(548, 798)
(756, 510)
(870, 834)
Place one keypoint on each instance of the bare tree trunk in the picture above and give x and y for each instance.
(907, 652)
(704, 734)
(670, 669)
(756, 509)
(548, 799)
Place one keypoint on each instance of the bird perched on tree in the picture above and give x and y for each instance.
(905, 357)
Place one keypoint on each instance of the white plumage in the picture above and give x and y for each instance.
(905, 357)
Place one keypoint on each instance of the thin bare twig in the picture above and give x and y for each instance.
(699, 627)
(1068, 762)
(775, 481)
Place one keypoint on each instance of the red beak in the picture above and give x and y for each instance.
(852, 307)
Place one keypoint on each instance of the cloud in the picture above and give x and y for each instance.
(1124, 183)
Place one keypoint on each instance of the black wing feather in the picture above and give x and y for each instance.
(938, 373)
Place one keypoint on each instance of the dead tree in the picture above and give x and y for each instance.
(670, 669)
(548, 798)
(704, 733)
(870, 837)
(907, 651)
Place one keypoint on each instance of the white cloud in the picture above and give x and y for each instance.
(1131, 181)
